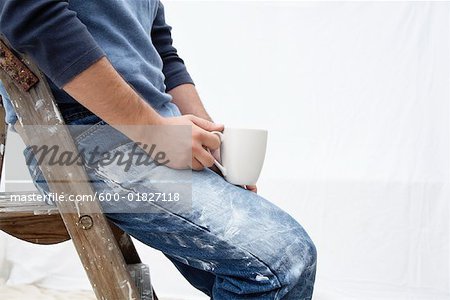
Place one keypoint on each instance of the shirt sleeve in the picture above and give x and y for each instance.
(51, 34)
(173, 66)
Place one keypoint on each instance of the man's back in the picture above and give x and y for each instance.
(132, 33)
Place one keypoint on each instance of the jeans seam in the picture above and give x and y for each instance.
(88, 132)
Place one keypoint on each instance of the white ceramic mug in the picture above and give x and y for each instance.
(242, 153)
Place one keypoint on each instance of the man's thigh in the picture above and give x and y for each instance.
(216, 227)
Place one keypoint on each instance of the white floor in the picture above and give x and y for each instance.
(22, 292)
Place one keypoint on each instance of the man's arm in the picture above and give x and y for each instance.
(104, 92)
(185, 96)
(51, 34)
(115, 101)
(179, 83)
(173, 66)
(64, 50)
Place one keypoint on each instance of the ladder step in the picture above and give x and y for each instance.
(23, 202)
(140, 273)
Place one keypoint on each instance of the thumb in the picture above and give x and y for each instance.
(205, 124)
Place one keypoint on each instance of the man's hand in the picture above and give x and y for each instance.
(185, 96)
(202, 139)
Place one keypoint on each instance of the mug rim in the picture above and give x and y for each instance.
(245, 129)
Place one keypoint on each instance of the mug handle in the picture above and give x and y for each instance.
(216, 163)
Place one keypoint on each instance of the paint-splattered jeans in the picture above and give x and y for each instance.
(230, 243)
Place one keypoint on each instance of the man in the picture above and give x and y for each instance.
(113, 62)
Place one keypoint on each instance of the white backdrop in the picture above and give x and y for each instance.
(357, 103)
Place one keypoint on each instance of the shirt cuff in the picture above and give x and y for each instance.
(78, 66)
(179, 78)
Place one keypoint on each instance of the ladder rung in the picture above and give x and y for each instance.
(140, 273)
(22, 202)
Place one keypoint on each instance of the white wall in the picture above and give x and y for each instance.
(356, 99)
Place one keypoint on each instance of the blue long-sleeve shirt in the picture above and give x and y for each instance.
(66, 37)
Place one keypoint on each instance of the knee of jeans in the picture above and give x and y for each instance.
(312, 250)
(303, 267)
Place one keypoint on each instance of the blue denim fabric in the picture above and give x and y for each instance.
(231, 243)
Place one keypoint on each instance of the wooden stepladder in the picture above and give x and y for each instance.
(106, 252)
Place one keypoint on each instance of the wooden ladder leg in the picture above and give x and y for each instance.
(3, 131)
(84, 221)
(139, 271)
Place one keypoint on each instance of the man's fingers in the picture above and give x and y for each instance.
(196, 165)
(205, 124)
(210, 140)
(202, 137)
(205, 138)
(203, 156)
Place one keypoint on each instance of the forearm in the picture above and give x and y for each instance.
(185, 96)
(104, 92)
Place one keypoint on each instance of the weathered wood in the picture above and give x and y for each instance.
(3, 128)
(126, 245)
(34, 222)
(36, 229)
(139, 271)
(10, 201)
(40, 223)
(94, 241)
(16, 69)
(141, 276)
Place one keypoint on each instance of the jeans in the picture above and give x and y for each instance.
(230, 243)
